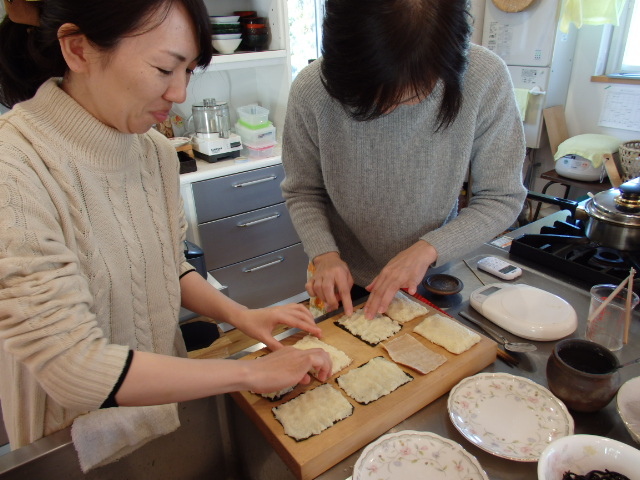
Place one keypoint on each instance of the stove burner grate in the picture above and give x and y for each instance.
(564, 247)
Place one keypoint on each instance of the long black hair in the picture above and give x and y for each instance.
(378, 52)
(31, 55)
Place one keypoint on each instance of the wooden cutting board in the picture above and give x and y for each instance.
(309, 458)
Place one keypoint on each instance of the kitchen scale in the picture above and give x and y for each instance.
(526, 311)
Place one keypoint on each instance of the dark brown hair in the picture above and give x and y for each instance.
(31, 55)
(376, 52)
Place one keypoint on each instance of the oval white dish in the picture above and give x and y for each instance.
(628, 403)
(508, 416)
(411, 454)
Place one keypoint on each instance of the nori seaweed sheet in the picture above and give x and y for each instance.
(367, 403)
(313, 434)
(362, 339)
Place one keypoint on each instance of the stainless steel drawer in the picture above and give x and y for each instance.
(234, 239)
(224, 196)
(267, 279)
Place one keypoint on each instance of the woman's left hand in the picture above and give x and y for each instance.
(405, 270)
(259, 323)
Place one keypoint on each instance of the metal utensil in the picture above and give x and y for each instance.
(473, 271)
(512, 346)
(626, 364)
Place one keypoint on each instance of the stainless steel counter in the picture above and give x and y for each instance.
(218, 440)
(260, 461)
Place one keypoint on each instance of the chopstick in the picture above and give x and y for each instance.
(507, 358)
(611, 296)
(473, 271)
(627, 317)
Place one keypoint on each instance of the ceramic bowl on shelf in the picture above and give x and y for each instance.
(224, 19)
(255, 42)
(226, 46)
(226, 36)
(581, 454)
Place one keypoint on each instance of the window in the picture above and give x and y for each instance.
(631, 52)
(620, 48)
(305, 32)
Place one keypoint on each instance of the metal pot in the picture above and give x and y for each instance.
(612, 217)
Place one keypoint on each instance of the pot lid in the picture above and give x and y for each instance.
(617, 205)
(512, 6)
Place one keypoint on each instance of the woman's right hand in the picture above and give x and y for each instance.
(287, 367)
(331, 282)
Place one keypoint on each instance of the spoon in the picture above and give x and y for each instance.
(637, 360)
(512, 346)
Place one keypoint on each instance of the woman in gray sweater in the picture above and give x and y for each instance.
(379, 137)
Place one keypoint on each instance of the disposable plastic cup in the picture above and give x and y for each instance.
(607, 328)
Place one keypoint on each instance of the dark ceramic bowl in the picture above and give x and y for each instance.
(245, 13)
(255, 42)
(583, 374)
(442, 284)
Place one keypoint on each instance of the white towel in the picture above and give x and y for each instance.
(104, 436)
(522, 99)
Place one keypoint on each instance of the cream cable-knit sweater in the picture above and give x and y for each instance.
(91, 230)
(372, 189)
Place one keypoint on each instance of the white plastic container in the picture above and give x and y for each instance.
(257, 137)
(253, 115)
(253, 152)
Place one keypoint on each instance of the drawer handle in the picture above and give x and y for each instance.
(270, 264)
(254, 182)
(260, 220)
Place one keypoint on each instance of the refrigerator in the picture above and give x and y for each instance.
(538, 55)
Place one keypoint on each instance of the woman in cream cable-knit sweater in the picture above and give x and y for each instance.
(379, 136)
(92, 271)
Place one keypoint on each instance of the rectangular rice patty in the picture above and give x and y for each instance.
(402, 309)
(339, 359)
(376, 378)
(312, 412)
(371, 331)
(408, 351)
(447, 333)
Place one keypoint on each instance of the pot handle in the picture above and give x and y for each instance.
(561, 202)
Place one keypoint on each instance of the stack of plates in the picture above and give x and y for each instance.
(225, 25)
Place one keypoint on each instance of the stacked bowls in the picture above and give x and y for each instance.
(226, 33)
(255, 31)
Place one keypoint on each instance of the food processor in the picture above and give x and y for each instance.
(213, 139)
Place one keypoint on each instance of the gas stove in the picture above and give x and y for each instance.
(564, 247)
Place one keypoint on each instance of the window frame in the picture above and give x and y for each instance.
(614, 40)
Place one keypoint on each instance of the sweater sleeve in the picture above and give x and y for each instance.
(46, 321)
(303, 187)
(497, 158)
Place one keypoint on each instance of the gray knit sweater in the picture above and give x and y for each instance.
(91, 229)
(371, 189)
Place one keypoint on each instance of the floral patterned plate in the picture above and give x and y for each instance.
(508, 416)
(409, 454)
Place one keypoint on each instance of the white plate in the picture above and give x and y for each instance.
(508, 416)
(227, 19)
(409, 454)
(179, 141)
(226, 36)
(628, 403)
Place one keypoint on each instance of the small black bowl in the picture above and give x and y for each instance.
(442, 284)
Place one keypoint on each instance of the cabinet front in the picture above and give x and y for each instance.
(233, 194)
(239, 237)
(266, 279)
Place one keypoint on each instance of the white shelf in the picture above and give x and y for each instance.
(247, 60)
